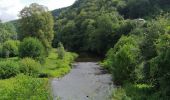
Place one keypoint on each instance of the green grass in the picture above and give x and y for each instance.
(55, 67)
(134, 92)
(24, 87)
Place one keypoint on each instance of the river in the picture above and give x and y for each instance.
(86, 81)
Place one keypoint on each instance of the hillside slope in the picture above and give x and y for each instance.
(94, 26)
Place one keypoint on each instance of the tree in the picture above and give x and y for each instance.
(123, 59)
(31, 47)
(102, 36)
(37, 21)
(10, 48)
(160, 65)
(87, 26)
(69, 34)
(7, 31)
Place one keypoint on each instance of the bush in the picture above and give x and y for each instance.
(10, 48)
(123, 59)
(60, 51)
(29, 67)
(8, 69)
(119, 94)
(160, 66)
(135, 92)
(31, 47)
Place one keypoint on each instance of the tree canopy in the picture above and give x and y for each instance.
(37, 21)
(7, 31)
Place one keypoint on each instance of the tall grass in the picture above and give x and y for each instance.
(24, 88)
(135, 92)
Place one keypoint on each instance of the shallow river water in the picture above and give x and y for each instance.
(86, 81)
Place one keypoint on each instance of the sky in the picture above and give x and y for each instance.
(9, 9)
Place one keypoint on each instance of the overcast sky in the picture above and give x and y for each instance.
(9, 9)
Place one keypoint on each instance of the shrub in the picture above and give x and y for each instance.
(24, 88)
(123, 59)
(60, 51)
(135, 92)
(10, 48)
(31, 47)
(8, 69)
(160, 70)
(29, 67)
(119, 94)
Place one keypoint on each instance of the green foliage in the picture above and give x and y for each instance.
(134, 92)
(152, 68)
(119, 94)
(148, 48)
(7, 31)
(160, 65)
(95, 26)
(123, 60)
(10, 48)
(24, 87)
(89, 28)
(28, 86)
(55, 67)
(1, 50)
(31, 47)
(37, 21)
(60, 51)
(141, 8)
(29, 67)
(8, 69)
(67, 34)
(103, 36)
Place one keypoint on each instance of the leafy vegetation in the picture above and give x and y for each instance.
(151, 65)
(29, 67)
(133, 34)
(134, 92)
(25, 64)
(39, 24)
(8, 69)
(56, 67)
(95, 26)
(123, 58)
(24, 87)
(8, 31)
(31, 47)
(10, 48)
(61, 51)
(137, 31)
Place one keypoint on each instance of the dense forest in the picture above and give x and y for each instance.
(132, 36)
(102, 22)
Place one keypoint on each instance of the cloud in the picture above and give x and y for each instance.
(58, 3)
(9, 9)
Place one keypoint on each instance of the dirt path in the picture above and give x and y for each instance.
(85, 82)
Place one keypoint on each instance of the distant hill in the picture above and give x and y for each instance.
(75, 23)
